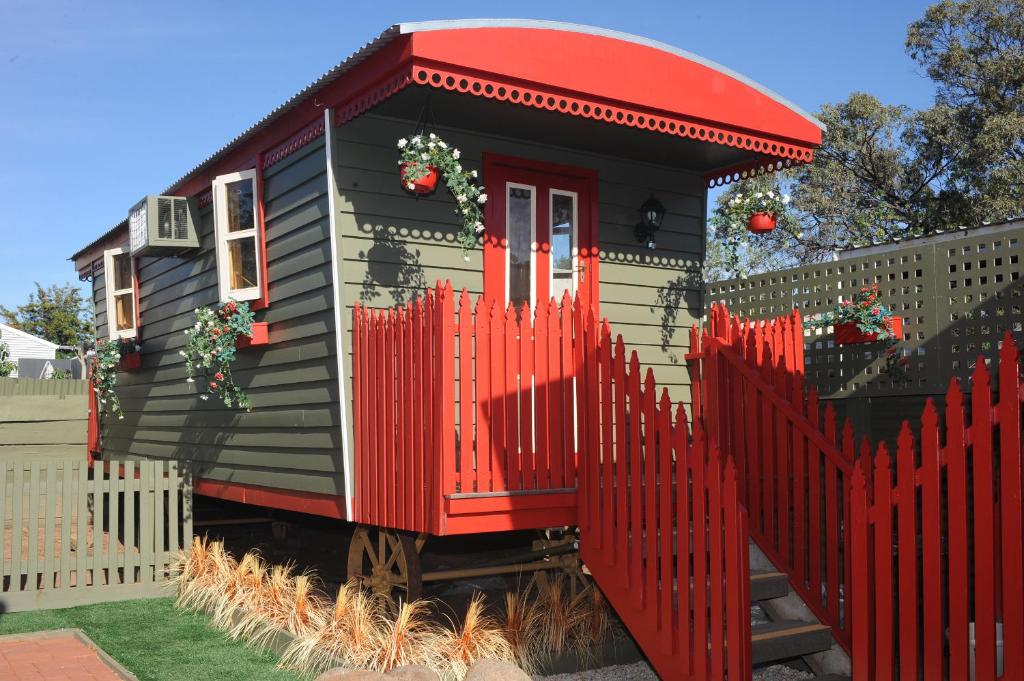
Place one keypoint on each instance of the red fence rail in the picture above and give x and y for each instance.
(937, 541)
(794, 475)
(453, 400)
(661, 526)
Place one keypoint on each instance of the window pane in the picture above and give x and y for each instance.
(242, 263)
(122, 271)
(240, 205)
(563, 209)
(124, 315)
(520, 244)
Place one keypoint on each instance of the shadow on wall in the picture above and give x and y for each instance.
(670, 299)
(391, 264)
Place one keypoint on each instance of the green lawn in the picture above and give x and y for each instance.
(155, 641)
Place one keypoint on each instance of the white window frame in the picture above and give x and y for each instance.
(220, 222)
(533, 241)
(112, 293)
(574, 236)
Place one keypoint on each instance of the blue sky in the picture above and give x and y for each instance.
(102, 103)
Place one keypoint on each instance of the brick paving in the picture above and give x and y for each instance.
(65, 655)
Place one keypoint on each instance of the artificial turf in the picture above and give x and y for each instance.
(155, 641)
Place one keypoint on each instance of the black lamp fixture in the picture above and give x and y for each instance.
(651, 215)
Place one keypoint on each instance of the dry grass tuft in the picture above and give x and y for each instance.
(520, 626)
(479, 637)
(410, 638)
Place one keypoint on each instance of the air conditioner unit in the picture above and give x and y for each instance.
(162, 225)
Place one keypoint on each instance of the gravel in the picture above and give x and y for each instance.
(642, 672)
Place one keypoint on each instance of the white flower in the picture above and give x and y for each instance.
(771, 195)
(758, 195)
(456, 154)
(479, 227)
(472, 173)
(430, 145)
(411, 186)
(402, 142)
(799, 235)
(425, 156)
(186, 331)
(785, 199)
(190, 380)
(466, 257)
(433, 136)
(458, 167)
(183, 353)
(416, 139)
(442, 144)
(461, 198)
(482, 198)
(204, 397)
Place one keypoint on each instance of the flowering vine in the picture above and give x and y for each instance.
(210, 350)
(421, 152)
(104, 371)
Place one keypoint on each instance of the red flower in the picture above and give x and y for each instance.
(213, 385)
(904, 361)
(875, 311)
(219, 376)
(215, 331)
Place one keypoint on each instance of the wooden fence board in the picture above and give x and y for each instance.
(71, 530)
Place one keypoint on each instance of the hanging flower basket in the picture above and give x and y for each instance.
(761, 223)
(421, 186)
(848, 333)
(131, 361)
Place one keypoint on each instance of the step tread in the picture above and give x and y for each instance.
(768, 584)
(784, 639)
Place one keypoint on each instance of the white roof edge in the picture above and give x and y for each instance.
(19, 332)
(444, 24)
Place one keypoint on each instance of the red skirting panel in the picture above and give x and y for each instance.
(327, 505)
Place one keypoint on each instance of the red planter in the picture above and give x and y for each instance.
(849, 334)
(260, 336)
(130, 362)
(761, 223)
(425, 185)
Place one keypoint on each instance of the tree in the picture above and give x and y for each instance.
(58, 314)
(887, 172)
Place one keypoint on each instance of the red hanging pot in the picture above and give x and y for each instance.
(424, 185)
(761, 223)
(848, 333)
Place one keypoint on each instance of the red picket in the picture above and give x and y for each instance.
(959, 561)
(931, 544)
(984, 526)
(513, 392)
(1011, 480)
(906, 530)
(635, 500)
(553, 380)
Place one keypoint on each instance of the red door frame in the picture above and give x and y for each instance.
(499, 169)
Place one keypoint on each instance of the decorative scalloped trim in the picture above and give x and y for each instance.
(294, 143)
(756, 167)
(553, 100)
(368, 100)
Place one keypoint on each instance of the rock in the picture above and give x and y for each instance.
(495, 670)
(343, 674)
(413, 672)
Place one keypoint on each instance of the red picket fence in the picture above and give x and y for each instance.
(939, 547)
(454, 404)
(794, 477)
(661, 527)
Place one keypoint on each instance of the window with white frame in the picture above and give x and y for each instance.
(238, 253)
(119, 280)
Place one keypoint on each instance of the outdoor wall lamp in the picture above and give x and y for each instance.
(651, 214)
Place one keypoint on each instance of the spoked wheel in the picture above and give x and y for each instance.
(387, 562)
(567, 566)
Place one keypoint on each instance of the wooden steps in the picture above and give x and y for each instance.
(784, 640)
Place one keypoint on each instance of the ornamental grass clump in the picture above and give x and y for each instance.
(480, 637)
(422, 152)
(210, 350)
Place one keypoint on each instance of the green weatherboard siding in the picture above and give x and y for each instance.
(292, 438)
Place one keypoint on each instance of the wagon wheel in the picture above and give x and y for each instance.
(387, 562)
(567, 566)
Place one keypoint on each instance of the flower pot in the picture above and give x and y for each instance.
(848, 333)
(260, 336)
(130, 362)
(423, 186)
(761, 223)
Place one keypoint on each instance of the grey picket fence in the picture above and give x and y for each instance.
(75, 534)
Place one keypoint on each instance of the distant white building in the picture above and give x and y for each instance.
(26, 346)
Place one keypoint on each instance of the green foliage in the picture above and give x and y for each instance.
(211, 350)
(887, 172)
(61, 375)
(7, 365)
(419, 153)
(58, 313)
(104, 371)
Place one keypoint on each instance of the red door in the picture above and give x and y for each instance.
(541, 239)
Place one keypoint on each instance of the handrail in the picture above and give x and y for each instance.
(809, 431)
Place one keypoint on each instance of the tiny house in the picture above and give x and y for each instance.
(596, 150)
